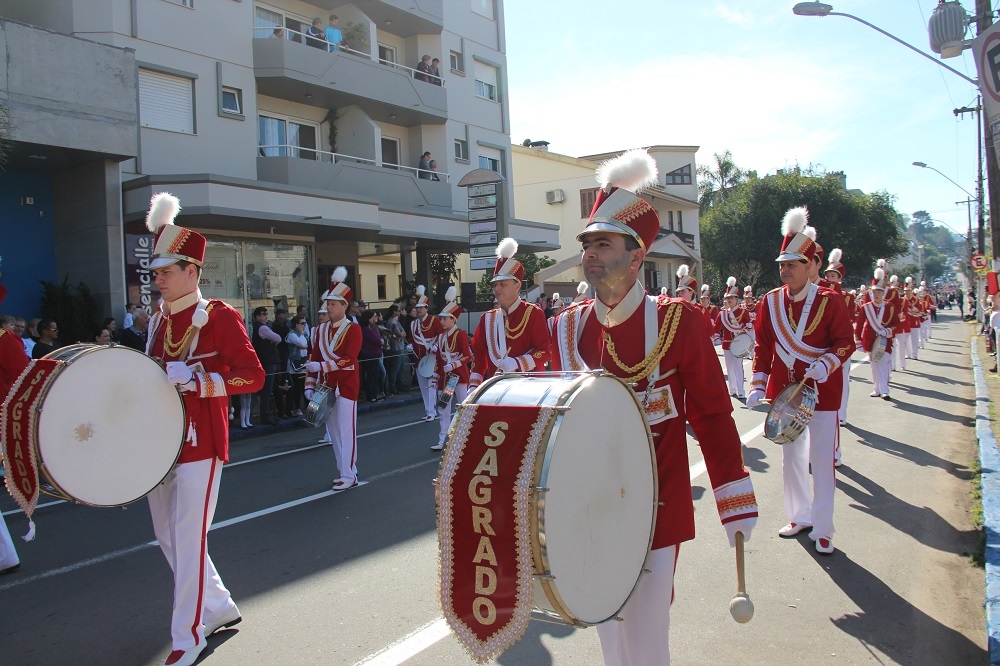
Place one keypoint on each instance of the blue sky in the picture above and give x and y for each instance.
(774, 88)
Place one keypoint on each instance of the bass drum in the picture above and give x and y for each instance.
(592, 526)
(110, 425)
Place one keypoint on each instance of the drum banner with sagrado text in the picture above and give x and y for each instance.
(17, 423)
(484, 524)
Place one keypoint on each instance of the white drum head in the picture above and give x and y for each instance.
(599, 511)
(741, 345)
(111, 426)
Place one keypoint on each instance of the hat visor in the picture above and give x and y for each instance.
(333, 297)
(505, 276)
(678, 290)
(610, 226)
(792, 256)
(162, 262)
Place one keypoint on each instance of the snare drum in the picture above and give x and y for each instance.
(320, 405)
(110, 425)
(741, 345)
(427, 365)
(790, 413)
(592, 525)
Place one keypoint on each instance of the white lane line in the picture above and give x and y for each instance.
(409, 646)
(273, 455)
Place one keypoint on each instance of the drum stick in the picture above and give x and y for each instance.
(741, 608)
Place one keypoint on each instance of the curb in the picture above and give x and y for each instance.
(989, 458)
(238, 434)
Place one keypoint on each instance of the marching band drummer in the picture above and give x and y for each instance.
(453, 356)
(880, 315)
(710, 312)
(333, 362)
(208, 356)
(514, 336)
(13, 361)
(424, 330)
(803, 331)
(733, 320)
(660, 344)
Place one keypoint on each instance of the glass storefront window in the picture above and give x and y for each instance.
(276, 275)
(220, 275)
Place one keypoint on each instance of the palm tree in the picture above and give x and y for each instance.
(714, 183)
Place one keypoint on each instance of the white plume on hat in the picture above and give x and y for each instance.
(163, 208)
(894, 279)
(835, 255)
(339, 274)
(555, 296)
(632, 171)
(582, 288)
(450, 295)
(795, 221)
(421, 289)
(507, 248)
(881, 263)
(879, 274)
(664, 292)
(705, 289)
(683, 271)
(923, 283)
(810, 232)
(731, 282)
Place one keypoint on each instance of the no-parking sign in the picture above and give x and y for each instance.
(978, 262)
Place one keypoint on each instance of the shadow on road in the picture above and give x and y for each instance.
(937, 414)
(755, 460)
(889, 623)
(933, 395)
(920, 522)
(529, 650)
(906, 452)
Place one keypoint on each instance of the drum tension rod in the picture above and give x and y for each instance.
(538, 489)
(543, 576)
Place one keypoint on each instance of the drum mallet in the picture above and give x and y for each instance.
(741, 608)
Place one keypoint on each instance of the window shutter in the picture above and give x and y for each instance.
(486, 74)
(166, 102)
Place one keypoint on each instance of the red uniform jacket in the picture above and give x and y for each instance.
(336, 347)
(690, 388)
(423, 332)
(224, 364)
(453, 355)
(731, 323)
(525, 334)
(828, 338)
(710, 313)
(13, 361)
(878, 321)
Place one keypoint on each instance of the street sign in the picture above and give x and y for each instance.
(482, 190)
(477, 251)
(483, 202)
(482, 227)
(483, 239)
(482, 264)
(978, 262)
(483, 214)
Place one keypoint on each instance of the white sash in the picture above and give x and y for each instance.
(569, 326)
(327, 346)
(418, 334)
(790, 345)
(731, 323)
(876, 324)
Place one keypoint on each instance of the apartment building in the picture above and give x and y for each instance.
(292, 155)
(561, 190)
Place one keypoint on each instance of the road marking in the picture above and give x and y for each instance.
(409, 646)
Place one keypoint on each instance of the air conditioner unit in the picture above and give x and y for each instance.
(555, 196)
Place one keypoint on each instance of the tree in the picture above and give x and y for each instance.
(716, 182)
(532, 264)
(747, 271)
(746, 225)
(444, 272)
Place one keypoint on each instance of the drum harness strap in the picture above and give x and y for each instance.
(785, 348)
(876, 320)
(417, 328)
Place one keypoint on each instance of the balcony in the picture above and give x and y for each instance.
(405, 19)
(300, 73)
(353, 176)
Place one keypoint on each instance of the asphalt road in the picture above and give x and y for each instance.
(352, 578)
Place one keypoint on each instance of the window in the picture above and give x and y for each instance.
(486, 81)
(680, 222)
(232, 100)
(670, 220)
(381, 287)
(680, 176)
(386, 55)
(457, 61)
(166, 102)
(491, 158)
(461, 150)
(390, 153)
(183, 3)
(483, 8)
(282, 137)
(266, 20)
(587, 200)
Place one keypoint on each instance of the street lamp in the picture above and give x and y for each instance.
(968, 202)
(823, 9)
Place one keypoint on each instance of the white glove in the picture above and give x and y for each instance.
(754, 398)
(434, 349)
(179, 373)
(450, 367)
(818, 372)
(433, 386)
(744, 525)
(308, 394)
(888, 333)
(313, 366)
(507, 364)
(748, 327)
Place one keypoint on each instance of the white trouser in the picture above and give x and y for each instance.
(246, 401)
(427, 392)
(898, 354)
(913, 342)
(8, 554)
(461, 392)
(815, 446)
(182, 507)
(846, 369)
(642, 638)
(922, 333)
(880, 375)
(734, 372)
(342, 426)
(927, 329)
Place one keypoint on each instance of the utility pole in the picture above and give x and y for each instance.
(984, 19)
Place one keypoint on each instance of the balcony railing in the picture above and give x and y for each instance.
(687, 239)
(287, 150)
(306, 40)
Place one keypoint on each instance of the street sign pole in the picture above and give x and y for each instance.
(487, 217)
